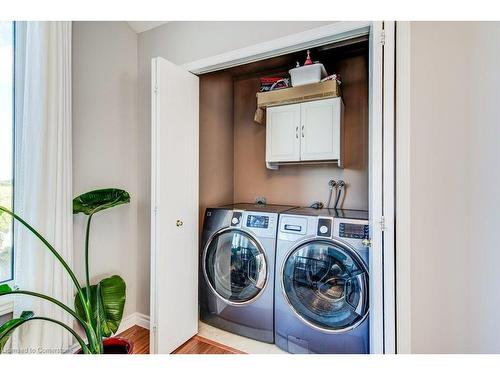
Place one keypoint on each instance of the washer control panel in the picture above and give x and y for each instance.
(352, 230)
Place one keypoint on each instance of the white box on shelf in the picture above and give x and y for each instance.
(307, 74)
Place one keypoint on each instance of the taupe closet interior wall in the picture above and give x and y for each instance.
(216, 182)
(232, 145)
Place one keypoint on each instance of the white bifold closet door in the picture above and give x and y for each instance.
(174, 206)
(381, 185)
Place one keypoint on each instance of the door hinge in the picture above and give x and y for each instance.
(382, 223)
(382, 37)
(155, 89)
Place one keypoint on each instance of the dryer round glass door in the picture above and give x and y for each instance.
(326, 285)
(235, 266)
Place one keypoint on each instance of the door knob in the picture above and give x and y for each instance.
(179, 223)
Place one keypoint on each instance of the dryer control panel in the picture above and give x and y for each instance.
(263, 224)
(258, 221)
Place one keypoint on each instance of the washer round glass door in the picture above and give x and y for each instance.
(326, 284)
(235, 266)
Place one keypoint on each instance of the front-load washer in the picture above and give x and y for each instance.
(237, 269)
(321, 292)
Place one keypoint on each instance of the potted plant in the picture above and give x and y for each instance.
(98, 308)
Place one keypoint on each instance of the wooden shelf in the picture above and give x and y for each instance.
(293, 95)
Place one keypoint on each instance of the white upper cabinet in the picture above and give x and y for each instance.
(283, 133)
(309, 131)
(320, 126)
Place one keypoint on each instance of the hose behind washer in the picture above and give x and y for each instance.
(340, 188)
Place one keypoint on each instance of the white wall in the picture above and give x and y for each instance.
(182, 42)
(455, 187)
(105, 146)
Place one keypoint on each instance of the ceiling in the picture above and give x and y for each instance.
(141, 26)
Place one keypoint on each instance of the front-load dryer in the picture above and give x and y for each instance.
(321, 293)
(237, 269)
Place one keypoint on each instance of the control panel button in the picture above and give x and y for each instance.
(236, 219)
(324, 227)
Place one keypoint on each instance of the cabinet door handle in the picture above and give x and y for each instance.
(297, 132)
(179, 223)
(302, 131)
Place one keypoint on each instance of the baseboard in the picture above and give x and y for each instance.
(142, 320)
(134, 319)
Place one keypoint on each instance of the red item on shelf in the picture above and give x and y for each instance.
(274, 83)
(270, 79)
(308, 59)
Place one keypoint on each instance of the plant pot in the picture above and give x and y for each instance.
(116, 345)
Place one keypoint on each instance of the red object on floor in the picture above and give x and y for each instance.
(116, 345)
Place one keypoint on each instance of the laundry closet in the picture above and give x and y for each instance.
(233, 146)
(244, 196)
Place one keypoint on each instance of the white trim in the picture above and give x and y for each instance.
(7, 302)
(134, 319)
(336, 31)
(74, 348)
(142, 320)
(388, 190)
(154, 188)
(375, 189)
(6, 307)
(403, 187)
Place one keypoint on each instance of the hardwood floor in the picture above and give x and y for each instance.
(140, 337)
(196, 345)
(201, 345)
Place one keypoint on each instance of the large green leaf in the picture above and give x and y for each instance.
(5, 288)
(9, 326)
(98, 200)
(107, 305)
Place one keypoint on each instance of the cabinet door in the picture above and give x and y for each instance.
(320, 129)
(283, 133)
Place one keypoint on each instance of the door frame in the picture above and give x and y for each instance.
(403, 186)
(382, 180)
(334, 32)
